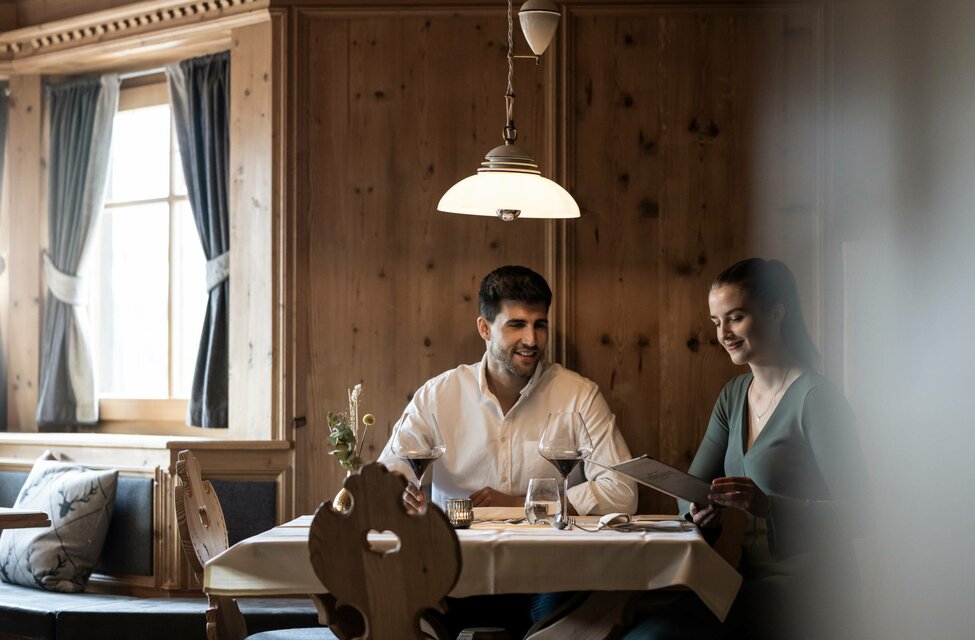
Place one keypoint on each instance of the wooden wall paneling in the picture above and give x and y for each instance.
(398, 107)
(8, 15)
(703, 216)
(136, 35)
(694, 136)
(25, 158)
(616, 180)
(31, 12)
(5, 201)
(283, 271)
(295, 256)
(255, 227)
(312, 48)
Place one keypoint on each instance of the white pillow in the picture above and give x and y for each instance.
(61, 557)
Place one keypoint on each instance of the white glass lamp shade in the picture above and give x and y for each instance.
(539, 20)
(509, 195)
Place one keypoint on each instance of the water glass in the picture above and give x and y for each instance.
(542, 503)
(460, 512)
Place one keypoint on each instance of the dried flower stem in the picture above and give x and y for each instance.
(360, 441)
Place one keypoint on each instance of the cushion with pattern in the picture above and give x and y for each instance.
(61, 557)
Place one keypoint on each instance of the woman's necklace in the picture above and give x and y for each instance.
(760, 416)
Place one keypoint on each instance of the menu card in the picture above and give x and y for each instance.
(664, 478)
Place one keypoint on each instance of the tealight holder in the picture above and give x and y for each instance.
(460, 512)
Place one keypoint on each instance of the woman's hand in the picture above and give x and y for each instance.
(741, 493)
(706, 517)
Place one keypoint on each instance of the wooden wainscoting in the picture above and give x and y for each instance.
(689, 134)
(155, 457)
(392, 108)
(695, 142)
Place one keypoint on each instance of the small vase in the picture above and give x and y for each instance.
(342, 502)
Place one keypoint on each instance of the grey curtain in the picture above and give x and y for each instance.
(198, 90)
(82, 114)
(3, 355)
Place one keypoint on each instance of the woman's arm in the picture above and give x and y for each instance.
(796, 524)
(709, 460)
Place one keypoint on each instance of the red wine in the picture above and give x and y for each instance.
(419, 465)
(565, 465)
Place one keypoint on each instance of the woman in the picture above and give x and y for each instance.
(780, 447)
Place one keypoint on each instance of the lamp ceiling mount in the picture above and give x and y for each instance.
(539, 20)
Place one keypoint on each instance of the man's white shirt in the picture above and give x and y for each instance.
(485, 448)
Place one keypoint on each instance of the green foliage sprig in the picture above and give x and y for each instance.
(344, 432)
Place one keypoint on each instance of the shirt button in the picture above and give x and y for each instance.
(504, 478)
(504, 439)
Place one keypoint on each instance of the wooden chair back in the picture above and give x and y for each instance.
(392, 589)
(203, 535)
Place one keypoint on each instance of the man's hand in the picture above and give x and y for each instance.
(706, 517)
(741, 493)
(488, 497)
(414, 498)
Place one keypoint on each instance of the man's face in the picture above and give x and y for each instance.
(517, 337)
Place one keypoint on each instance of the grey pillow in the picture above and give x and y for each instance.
(61, 557)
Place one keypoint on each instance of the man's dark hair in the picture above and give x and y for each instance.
(511, 282)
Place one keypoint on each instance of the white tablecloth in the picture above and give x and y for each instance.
(504, 558)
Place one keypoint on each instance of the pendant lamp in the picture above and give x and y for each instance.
(508, 183)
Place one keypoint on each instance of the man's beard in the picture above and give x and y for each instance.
(506, 360)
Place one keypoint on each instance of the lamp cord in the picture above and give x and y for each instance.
(510, 133)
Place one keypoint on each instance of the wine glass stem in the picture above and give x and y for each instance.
(565, 499)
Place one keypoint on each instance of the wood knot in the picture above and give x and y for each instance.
(648, 208)
(708, 129)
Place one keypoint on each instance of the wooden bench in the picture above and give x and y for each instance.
(143, 586)
(35, 614)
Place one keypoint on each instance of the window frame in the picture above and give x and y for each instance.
(164, 416)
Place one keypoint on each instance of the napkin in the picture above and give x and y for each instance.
(498, 513)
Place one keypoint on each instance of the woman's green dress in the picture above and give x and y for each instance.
(798, 567)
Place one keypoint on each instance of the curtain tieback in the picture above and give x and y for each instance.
(65, 287)
(218, 270)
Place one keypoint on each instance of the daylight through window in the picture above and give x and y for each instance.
(147, 265)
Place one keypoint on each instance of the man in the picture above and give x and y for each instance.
(492, 414)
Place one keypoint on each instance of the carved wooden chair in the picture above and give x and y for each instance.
(203, 534)
(388, 590)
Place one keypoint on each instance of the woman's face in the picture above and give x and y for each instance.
(747, 333)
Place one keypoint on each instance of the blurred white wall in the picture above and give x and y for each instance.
(901, 217)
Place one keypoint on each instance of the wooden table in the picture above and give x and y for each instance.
(20, 519)
(505, 558)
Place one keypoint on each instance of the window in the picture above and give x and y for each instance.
(147, 269)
